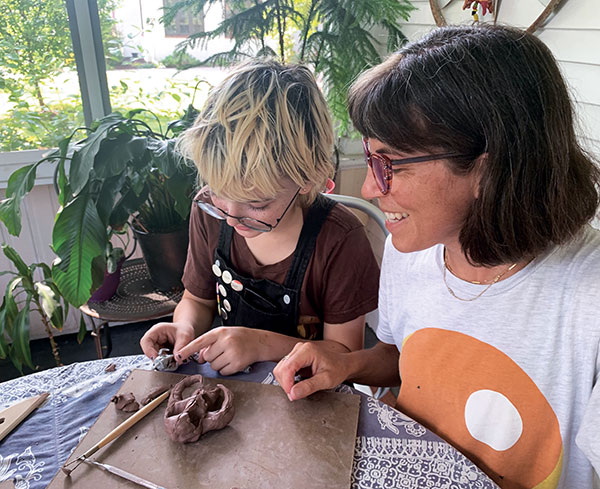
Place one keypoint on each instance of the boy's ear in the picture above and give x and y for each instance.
(306, 188)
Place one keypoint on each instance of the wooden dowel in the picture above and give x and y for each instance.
(128, 423)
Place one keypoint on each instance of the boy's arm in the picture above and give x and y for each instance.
(231, 349)
(195, 312)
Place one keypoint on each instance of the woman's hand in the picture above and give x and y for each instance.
(166, 335)
(228, 349)
(328, 368)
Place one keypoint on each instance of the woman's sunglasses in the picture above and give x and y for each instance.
(382, 166)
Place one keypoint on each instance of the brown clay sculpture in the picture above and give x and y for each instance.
(206, 409)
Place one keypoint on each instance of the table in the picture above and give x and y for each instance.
(136, 299)
(391, 451)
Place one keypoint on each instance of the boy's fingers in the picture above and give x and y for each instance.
(194, 346)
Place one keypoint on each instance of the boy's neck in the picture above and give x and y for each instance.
(277, 245)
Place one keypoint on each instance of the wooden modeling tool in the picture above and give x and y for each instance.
(118, 431)
(11, 417)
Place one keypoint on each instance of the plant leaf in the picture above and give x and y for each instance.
(107, 197)
(20, 337)
(78, 237)
(47, 299)
(178, 186)
(19, 184)
(10, 306)
(82, 330)
(14, 257)
(4, 347)
(83, 158)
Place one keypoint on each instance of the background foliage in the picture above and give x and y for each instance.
(35, 47)
(338, 38)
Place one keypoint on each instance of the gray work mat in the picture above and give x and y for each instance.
(271, 442)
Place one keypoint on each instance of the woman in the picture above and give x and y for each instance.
(489, 286)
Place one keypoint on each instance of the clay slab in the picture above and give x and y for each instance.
(271, 443)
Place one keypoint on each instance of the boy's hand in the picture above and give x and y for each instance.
(228, 349)
(166, 335)
(327, 367)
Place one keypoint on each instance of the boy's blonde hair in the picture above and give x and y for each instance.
(264, 122)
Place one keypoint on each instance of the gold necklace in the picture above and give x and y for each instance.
(494, 280)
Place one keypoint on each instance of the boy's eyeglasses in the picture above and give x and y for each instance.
(382, 166)
(204, 201)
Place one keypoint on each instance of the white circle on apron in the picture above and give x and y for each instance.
(226, 276)
(237, 286)
(222, 290)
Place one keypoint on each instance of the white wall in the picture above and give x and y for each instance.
(572, 33)
(140, 21)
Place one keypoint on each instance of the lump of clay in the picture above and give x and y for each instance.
(125, 402)
(206, 409)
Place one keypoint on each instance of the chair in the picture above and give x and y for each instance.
(377, 217)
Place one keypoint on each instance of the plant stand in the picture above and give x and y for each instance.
(136, 299)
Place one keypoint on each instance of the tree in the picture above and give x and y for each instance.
(338, 38)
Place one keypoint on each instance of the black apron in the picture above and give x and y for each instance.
(262, 303)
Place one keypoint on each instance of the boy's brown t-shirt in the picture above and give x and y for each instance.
(341, 281)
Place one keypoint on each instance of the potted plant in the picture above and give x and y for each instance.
(123, 170)
(23, 295)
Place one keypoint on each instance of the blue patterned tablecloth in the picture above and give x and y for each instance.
(391, 451)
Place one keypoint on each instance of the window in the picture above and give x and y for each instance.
(185, 22)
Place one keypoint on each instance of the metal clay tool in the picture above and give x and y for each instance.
(118, 431)
(165, 361)
(123, 474)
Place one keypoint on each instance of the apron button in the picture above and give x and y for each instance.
(226, 305)
(226, 276)
(224, 314)
(286, 299)
(222, 290)
(216, 270)
(237, 285)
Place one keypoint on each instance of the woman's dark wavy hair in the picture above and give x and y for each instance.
(497, 92)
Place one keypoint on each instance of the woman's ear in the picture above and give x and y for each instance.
(477, 173)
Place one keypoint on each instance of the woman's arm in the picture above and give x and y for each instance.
(376, 366)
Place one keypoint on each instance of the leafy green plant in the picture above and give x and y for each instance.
(338, 38)
(24, 295)
(123, 168)
(180, 60)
